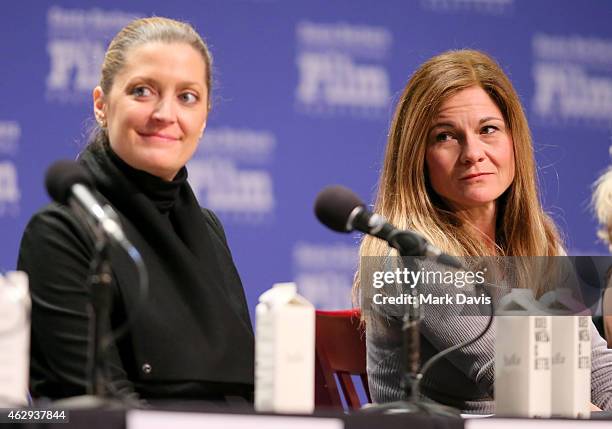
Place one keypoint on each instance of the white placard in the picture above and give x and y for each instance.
(493, 423)
(571, 354)
(14, 339)
(139, 419)
(522, 357)
(284, 351)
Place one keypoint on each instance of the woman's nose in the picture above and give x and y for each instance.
(472, 150)
(165, 110)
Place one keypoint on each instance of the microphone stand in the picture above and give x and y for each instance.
(99, 308)
(414, 404)
(101, 305)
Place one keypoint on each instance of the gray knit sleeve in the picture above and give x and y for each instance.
(601, 371)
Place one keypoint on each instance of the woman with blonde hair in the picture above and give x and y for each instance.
(602, 204)
(191, 336)
(459, 169)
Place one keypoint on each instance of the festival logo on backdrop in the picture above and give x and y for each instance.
(573, 80)
(10, 133)
(493, 7)
(342, 69)
(10, 194)
(324, 273)
(230, 174)
(76, 42)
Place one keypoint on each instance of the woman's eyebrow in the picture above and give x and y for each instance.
(147, 79)
(442, 124)
(490, 118)
(152, 80)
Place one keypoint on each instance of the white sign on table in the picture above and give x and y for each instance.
(493, 423)
(142, 419)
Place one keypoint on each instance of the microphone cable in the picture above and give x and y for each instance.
(441, 354)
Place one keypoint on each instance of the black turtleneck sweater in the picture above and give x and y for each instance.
(191, 337)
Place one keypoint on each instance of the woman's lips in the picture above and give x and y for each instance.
(474, 176)
(158, 136)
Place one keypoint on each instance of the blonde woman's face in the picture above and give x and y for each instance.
(156, 110)
(469, 156)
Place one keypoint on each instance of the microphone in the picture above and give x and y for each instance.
(341, 210)
(68, 182)
(338, 208)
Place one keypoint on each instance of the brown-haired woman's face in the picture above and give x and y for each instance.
(470, 157)
(157, 108)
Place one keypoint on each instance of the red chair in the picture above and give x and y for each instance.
(340, 350)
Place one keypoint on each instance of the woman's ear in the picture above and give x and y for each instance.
(99, 106)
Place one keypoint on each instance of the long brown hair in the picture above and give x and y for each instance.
(405, 196)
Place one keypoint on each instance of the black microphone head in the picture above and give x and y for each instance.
(334, 205)
(61, 176)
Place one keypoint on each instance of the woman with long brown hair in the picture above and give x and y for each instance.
(459, 169)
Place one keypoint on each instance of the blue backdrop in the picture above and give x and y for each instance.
(303, 95)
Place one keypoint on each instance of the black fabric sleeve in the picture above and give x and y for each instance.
(215, 223)
(56, 252)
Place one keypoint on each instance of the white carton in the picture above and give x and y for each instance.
(284, 351)
(522, 357)
(571, 354)
(14, 339)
